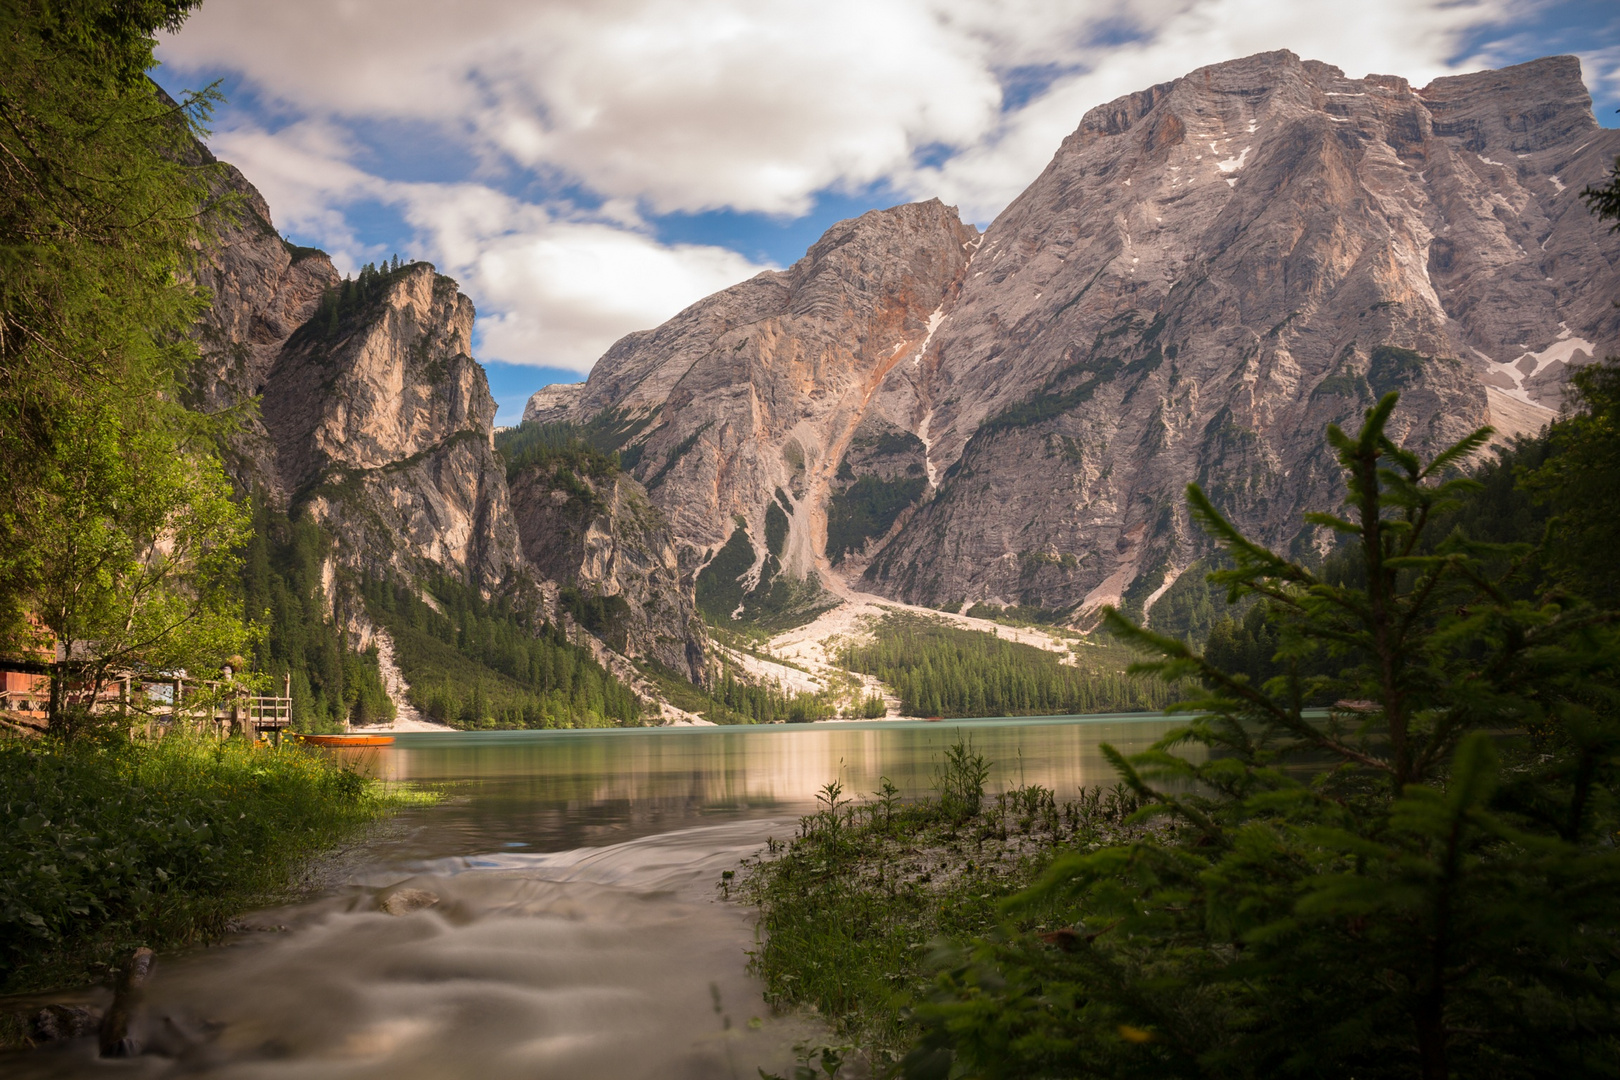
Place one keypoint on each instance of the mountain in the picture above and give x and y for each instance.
(363, 410)
(1208, 273)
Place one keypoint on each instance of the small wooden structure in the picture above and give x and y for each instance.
(156, 702)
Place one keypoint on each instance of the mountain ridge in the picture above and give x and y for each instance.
(1207, 273)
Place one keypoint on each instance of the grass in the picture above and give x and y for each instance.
(851, 907)
(109, 843)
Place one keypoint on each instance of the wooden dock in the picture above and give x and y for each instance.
(155, 703)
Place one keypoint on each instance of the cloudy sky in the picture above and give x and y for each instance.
(586, 168)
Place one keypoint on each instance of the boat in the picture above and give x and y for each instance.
(344, 740)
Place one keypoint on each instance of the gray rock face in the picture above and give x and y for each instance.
(1207, 274)
(263, 290)
(374, 418)
(752, 397)
(377, 422)
(383, 420)
(551, 404)
(1211, 271)
(600, 535)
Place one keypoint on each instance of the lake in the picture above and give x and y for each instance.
(572, 925)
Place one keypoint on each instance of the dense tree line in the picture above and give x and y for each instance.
(301, 640)
(552, 447)
(351, 295)
(477, 663)
(940, 670)
(769, 704)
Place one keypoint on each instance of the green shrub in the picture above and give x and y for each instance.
(106, 844)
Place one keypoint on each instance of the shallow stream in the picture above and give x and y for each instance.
(557, 914)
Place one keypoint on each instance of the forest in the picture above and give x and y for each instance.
(476, 663)
(302, 645)
(941, 670)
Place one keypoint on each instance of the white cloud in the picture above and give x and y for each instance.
(555, 287)
(1397, 37)
(756, 107)
(655, 107)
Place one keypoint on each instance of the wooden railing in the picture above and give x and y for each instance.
(156, 704)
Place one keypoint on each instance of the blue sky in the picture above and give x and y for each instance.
(586, 168)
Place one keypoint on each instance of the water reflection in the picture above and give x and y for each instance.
(564, 920)
(556, 790)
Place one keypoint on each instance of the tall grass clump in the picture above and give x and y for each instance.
(850, 906)
(107, 843)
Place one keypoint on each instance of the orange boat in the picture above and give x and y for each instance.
(345, 740)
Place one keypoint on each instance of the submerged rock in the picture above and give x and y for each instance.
(404, 901)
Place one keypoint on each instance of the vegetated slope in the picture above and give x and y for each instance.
(587, 524)
(473, 663)
(1208, 272)
(941, 670)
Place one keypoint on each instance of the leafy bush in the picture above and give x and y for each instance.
(106, 844)
(850, 908)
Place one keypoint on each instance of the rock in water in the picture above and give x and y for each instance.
(55, 1023)
(404, 901)
(116, 1040)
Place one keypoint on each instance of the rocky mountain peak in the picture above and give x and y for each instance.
(1208, 272)
(750, 399)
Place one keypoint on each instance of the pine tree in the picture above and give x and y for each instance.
(1413, 908)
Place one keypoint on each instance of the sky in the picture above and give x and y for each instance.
(586, 168)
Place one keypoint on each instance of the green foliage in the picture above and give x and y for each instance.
(681, 450)
(560, 449)
(866, 509)
(350, 297)
(850, 909)
(1604, 199)
(1365, 893)
(719, 584)
(873, 707)
(134, 567)
(1577, 484)
(1013, 614)
(604, 616)
(301, 643)
(1189, 609)
(106, 844)
(102, 209)
(477, 663)
(1391, 368)
(959, 781)
(939, 670)
(776, 602)
(776, 529)
(730, 700)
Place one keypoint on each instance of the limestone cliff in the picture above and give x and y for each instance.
(383, 421)
(363, 407)
(741, 409)
(362, 402)
(262, 289)
(1212, 270)
(593, 530)
(1207, 274)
